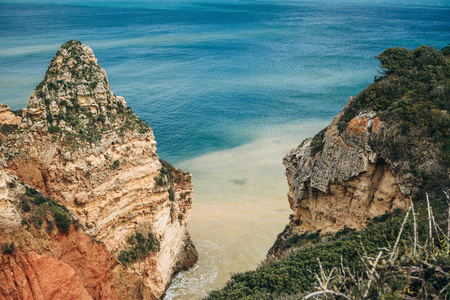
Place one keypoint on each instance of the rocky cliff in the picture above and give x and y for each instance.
(44, 260)
(81, 145)
(346, 183)
(388, 144)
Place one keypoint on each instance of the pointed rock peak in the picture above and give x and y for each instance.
(73, 80)
(75, 62)
(75, 97)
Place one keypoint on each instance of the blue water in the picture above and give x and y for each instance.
(213, 75)
(210, 75)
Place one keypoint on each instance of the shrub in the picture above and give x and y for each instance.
(50, 225)
(42, 207)
(39, 200)
(446, 50)
(115, 165)
(62, 222)
(37, 218)
(7, 129)
(25, 205)
(93, 84)
(8, 249)
(292, 275)
(53, 129)
(317, 142)
(139, 248)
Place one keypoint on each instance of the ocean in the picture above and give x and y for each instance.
(228, 88)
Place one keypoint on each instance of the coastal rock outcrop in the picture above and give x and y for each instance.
(389, 144)
(81, 145)
(337, 180)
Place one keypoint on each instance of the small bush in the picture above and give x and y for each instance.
(53, 129)
(159, 180)
(41, 207)
(76, 224)
(115, 165)
(140, 248)
(93, 84)
(50, 225)
(30, 192)
(36, 218)
(317, 142)
(62, 222)
(7, 129)
(446, 50)
(25, 205)
(39, 200)
(346, 231)
(8, 249)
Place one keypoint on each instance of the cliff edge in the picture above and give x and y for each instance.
(81, 145)
(388, 144)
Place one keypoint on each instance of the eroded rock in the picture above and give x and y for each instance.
(346, 183)
(83, 146)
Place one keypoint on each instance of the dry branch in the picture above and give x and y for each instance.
(415, 226)
(429, 224)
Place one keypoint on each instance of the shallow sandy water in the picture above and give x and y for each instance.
(240, 206)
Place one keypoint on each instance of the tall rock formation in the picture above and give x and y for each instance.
(81, 145)
(388, 144)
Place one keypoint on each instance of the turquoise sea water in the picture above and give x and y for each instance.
(228, 87)
(209, 75)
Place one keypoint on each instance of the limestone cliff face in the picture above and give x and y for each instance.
(337, 180)
(345, 183)
(44, 263)
(83, 146)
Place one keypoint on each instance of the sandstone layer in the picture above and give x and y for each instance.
(43, 263)
(338, 180)
(82, 145)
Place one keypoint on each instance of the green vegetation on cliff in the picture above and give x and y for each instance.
(413, 90)
(293, 277)
(75, 103)
(412, 96)
(7, 129)
(139, 247)
(37, 209)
